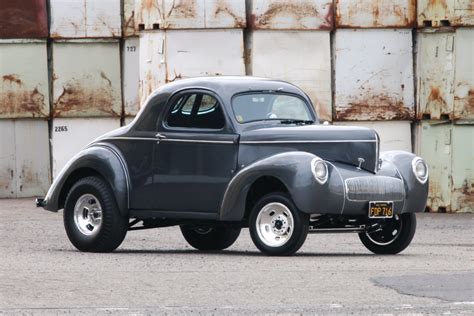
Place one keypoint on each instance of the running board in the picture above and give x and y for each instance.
(313, 230)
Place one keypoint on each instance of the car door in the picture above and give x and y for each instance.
(195, 155)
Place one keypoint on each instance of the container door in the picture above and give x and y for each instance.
(195, 155)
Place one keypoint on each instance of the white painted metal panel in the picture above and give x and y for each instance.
(374, 74)
(32, 158)
(131, 75)
(70, 135)
(128, 27)
(394, 135)
(7, 159)
(300, 57)
(373, 14)
(193, 53)
(85, 18)
(152, 68)
(86, 79)
(435, 70)
(463, 168)
(185, 14)
(438, 13)
(24, 79)
(464, 78)
(128, 120)
(291, 15)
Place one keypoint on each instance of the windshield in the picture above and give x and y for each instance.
(270, 106)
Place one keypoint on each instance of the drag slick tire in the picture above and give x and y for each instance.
(210, 238)
(91, 216)
(276, 226)
(394, 235)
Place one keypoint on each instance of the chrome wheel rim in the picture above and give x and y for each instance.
(88, 214)
(274, 224)
(388, 233)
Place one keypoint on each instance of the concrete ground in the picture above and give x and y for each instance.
(156, 272)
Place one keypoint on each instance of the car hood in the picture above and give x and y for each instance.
(334, 143)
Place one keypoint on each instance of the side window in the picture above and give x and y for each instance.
(196, 110)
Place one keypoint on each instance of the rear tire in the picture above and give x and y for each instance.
(395, 235)
(91, 217)
(276, 226)
(210, 238)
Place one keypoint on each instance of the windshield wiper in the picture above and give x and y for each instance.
(294, 121)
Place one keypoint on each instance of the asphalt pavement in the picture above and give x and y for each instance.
(156, 272)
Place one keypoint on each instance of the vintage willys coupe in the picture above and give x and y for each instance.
(216, 154)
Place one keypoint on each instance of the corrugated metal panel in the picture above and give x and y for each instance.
(70, 135)
(300, 57)
(128, 27)
(435, 63)
(86, 79)
(152, 63)
(464, 80)
(85, 18)
(380, 13)
(196, 53)
(131, 75)
(24, 79)
(463, 168)
(7, 159)
(445, 12)
(24, 158)
(292, 15)
(394, 135)
(23, 19)
(185, 14)
(434, 145)
(374, 75)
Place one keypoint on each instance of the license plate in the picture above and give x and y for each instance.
(380, 209)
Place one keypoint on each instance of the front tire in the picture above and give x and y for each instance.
(394, 235)
(210, 238)
(91, 217)
(276, 226)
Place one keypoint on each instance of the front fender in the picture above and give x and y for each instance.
(293, 169)
(416, 192)
(104, 159)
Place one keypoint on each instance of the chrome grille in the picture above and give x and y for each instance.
(375, 188)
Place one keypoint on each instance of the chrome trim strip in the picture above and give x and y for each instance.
(342, 180)
(203, 141)
(128, 138)
(307, 141)
(377, 148)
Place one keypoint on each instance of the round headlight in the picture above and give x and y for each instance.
(420, 169)
(320, 170)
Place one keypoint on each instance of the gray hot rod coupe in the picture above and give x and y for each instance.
(216, 154)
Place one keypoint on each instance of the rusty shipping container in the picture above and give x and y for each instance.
(24, 158)
(70, 135)
(374, 75)
(184, 14)
(291, 15)
(85, 18)
(449, 152)
(131, 76)
(394, 135)
(86, 78)
(300, 57)
(128, 21)
(24, 79)
(445, 74)
(170, 55)
(437, 13)
(23, 19)
(375, 14)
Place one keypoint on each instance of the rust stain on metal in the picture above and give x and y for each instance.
(436, 105)
(464, 195)
(78, 97)
(298, 11)
(223, 8)
(381, 107)
(464, 106)
(183, 9)
(17, 100)
(23, 19)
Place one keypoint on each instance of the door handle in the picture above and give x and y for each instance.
(160, 137)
